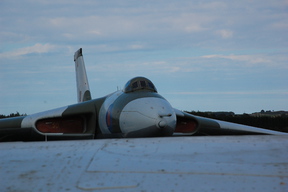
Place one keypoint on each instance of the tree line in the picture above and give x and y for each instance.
(12, 115)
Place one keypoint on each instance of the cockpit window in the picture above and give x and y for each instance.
(139, 83)
(151, 85)
(134, 85)
(142, 83)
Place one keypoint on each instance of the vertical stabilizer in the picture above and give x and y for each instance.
(83, 91)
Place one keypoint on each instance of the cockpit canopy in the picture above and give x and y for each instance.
(139, 83)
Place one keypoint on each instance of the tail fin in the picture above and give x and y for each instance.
(83, 90)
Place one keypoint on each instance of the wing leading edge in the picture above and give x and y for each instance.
(207, 126)
(78, 121)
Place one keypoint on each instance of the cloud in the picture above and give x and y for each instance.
(282, 25)
(37, 48)
(254, 59)
(158, 24)
(270, 92)
(225, 34)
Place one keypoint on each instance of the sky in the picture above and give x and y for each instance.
(201, 55)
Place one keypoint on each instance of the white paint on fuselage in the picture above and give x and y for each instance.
(147, 112)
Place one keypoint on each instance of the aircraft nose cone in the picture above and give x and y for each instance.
(147, 117)
(162, 123)
(166, 123)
